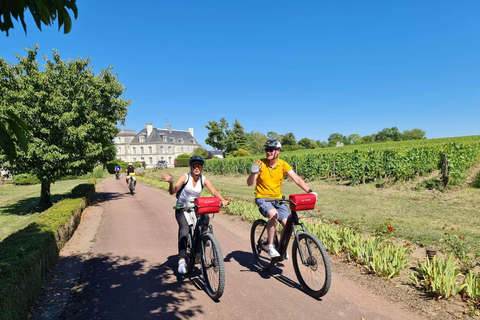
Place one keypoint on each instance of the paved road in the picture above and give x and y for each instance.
(128, 271)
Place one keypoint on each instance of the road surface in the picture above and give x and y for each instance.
(122, 262)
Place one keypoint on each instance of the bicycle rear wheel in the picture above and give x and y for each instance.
(315, 275)
(131, 186)
(259, 242)
(213, 268)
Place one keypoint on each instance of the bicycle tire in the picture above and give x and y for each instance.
(316, 276)
(213, 268)
(259, 241)
(189, 254)
(131, 186)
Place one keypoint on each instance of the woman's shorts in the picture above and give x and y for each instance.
(264, 207)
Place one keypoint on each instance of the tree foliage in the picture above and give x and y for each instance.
(288, 139)
(307, 143)
(71, 112)
(389, 134)
(255, 142)
(414, 134)
(12, 129)
(43, 11)
(217, 136)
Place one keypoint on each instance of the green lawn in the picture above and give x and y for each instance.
(417, 216)
(18, 204)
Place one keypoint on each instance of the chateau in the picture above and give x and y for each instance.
(152, 145)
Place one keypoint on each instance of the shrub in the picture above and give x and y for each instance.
(241, 153)
(25, 179)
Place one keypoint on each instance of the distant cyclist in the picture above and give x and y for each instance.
(118, 169)
(268, 173)
(188, 187)
(130, 169)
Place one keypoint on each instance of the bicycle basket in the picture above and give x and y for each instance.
(204, 205)
(305, 201)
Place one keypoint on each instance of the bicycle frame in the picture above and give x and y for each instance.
(290, 227)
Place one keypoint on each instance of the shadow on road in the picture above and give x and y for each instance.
(125, 288)
(246, 260)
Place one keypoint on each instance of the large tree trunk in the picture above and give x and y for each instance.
(45, 194)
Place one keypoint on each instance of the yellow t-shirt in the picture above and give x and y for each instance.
(269, 180)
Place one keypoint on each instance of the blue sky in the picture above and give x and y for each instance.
(308, 67)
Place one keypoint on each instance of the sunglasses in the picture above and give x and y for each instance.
(269, 150)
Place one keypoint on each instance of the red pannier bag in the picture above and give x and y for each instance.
(206, 205)
(304, 201)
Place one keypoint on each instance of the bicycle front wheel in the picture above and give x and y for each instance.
(213, 268)
(314, 273)
(259, 242)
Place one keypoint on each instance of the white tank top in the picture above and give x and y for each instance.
(189, 193)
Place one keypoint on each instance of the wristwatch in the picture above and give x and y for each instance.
(310, 190)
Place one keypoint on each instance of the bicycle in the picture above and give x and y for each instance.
(202, 246)
(131, 184)
(309, 257)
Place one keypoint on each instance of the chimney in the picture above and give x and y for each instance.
(149, 129)
(191, 131)
(169, 128)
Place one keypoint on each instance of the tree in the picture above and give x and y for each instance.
(337, 137)
(43, 11)
(388, 134)
(71, 112)
(368, 139)
(235, 137)
(288, 139)
(200, 151)
(307, 143)
(354, 138)
(274, 135)
(217, 137)
(255, 142)
(414, 134)
(321, 144)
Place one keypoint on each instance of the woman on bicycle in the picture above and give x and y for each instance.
(188, 187)
(268, 174)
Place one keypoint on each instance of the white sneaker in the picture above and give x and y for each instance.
(182, 266)
(287, 256)
(272, 252)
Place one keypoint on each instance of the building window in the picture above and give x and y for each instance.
(142, 139)
(188, 149)
(169, 149)
(150, 150)
(134, 159)
(182, 149)
(169, 159)
(161, 150)
(141, 150)
(150, 160)
(134, 150)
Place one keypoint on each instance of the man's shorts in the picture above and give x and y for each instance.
(264, 207)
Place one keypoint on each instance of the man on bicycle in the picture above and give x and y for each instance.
(268, 175)
(190, 186)
(131, 171)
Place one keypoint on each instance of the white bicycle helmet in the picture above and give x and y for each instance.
(273, 143)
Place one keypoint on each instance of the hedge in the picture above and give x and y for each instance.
(27, 255)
